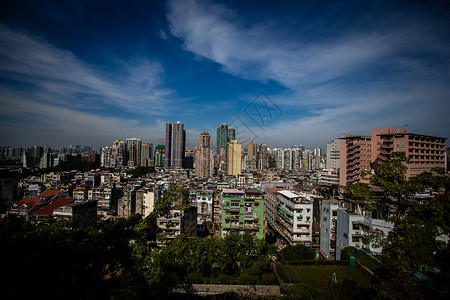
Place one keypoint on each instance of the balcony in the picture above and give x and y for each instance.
(252, 227)
(357, 234)
(233, 209)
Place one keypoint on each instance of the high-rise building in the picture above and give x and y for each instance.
(159, 155)
(262, 157)
(359, 153)
(252, 149)
(224, 135)
(133, 147)
(233, 157)
(175, 145)
(168, 145)
(333, 150)
(231, 134)
(146, 154)
(203, 156)
(119, 156)
(105, 157)
(178, 145)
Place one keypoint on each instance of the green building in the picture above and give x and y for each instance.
(243, 210)
(159, 155)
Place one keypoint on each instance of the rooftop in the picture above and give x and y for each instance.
(289, 194)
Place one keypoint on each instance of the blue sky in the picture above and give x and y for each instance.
(284, 73)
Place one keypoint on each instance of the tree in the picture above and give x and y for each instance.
(297, 252)
(147, 229)
(414, 243)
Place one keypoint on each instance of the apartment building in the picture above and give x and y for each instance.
(359, 153)
(328, 222)
(204, 201)
(145, 200)
(179, 221)
(424, 151)
(289, 216)
(328, 177)
(243, 210)
(355, 157)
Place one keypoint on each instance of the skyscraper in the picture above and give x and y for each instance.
(168, 145)
(175, 145)
(133, 147)
(233, 157)
(118, 154)
(203, 156)
(146, 154)
(224, 135)
(252, 149)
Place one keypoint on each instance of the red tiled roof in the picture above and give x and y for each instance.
(49, 193)
(48, 209)
(30, 203)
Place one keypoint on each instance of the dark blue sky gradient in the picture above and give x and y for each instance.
(89, 72)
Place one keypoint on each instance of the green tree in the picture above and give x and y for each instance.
(297, 252)
(414, 242)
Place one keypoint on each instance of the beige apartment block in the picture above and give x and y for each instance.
(233, 157)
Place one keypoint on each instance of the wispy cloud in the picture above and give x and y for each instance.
(60, 76)
(377, 76)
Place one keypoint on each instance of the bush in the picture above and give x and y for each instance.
(346, 253)
(268, 279)
(223, 278)
(194, 278)
(316, 262)
(298, 252)
(249, 279)
(303, 291)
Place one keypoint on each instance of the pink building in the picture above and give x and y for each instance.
(360, 153)
(355, 157)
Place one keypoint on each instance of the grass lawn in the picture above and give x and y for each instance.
(365, 259)
(317, 275)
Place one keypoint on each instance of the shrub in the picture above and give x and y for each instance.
(268, 279)
(298, 252)
(223, 278)
(194, 278)
(249, 279)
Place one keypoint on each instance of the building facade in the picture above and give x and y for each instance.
(233, 158)
(333, 154)
(204, 156)
(243, 210)
(289, 216)
(363, 153)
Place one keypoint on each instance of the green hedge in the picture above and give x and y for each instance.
(316, 262)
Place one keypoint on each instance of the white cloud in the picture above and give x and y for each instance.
(40, 123)
(62, 77)
(355, 81)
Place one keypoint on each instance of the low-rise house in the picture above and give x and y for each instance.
(179, 221)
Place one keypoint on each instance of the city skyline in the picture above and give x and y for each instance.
(287, 74)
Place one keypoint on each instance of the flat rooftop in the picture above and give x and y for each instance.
(289, 194)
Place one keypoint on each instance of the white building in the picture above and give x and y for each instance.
(351, 228)
(290, 215)
(205, 206)
(329, 177)
(333, 154)
(328, 222)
